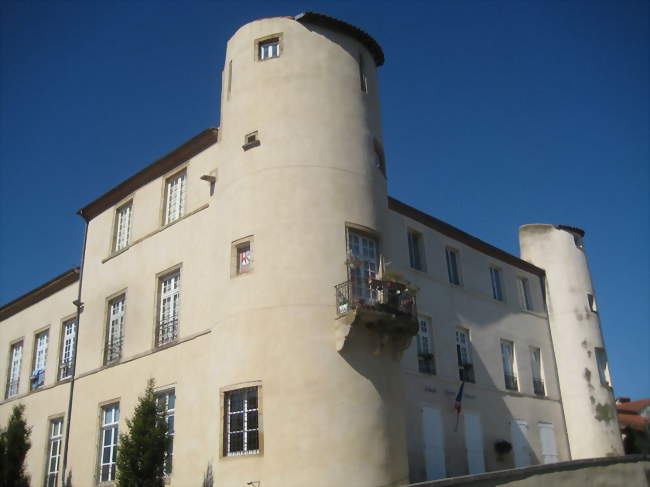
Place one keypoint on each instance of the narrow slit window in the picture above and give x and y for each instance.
(495, 278)
(363, 80)
(453, 270)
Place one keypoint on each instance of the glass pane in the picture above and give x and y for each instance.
(252, 420)
(237, 422)
(253, 442)
(236, 442)
(170, 424)
(252, 399)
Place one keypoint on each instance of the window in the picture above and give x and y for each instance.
(167, 403)
(416, 250)
(115, 329)
(109, 438)
(536, 367)
(592, 303)
(122, 227)
(363, 80)
(268, 48)
(380, 156)
(426, 362)
(241, 428)
(54, 452)
(243, 257)
(175, 197)
(508, 358)
(603, 368)
(464, 355)
(495, 277)
(251, 140)
(524, 294)
(453, 271)
(69, 331)
(169, 298)
(40, 359)
(13, 379)
(363, 259)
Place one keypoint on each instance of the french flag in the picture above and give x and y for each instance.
(459, 398)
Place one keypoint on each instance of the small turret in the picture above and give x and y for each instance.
(585, 384)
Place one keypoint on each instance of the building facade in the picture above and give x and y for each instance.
(303, 327)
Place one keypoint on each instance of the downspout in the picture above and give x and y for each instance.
(79, 306)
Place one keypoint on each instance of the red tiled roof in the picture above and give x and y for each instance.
(633, 405)
(632, 421)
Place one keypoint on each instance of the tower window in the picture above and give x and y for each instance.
(268, 48)
(251, 140)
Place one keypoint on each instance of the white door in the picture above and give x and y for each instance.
(520, 448)
(434, 445)
(547, 438)
(474, 443)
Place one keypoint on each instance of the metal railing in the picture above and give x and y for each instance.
(426, 364)
(466, 372)
(511, 382)
(113, 350)
(12, 388)
(389, 296)
(65, 369)
(538, 387)
(167, 331)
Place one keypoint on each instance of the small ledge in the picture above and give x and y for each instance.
(151, 234)
(250, 145)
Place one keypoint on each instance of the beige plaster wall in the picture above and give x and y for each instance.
(589, 405)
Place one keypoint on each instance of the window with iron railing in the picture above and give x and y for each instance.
(426, 362)
(169, 299)
(508, 358)
(69, 331)
(115, 329)
(241, 428)
(536, 368)
(464, 355)
(538, 387)
(40, 359)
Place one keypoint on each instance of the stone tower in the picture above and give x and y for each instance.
(301, 164)
(587, 398)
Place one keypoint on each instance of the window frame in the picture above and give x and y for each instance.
(54, 437)
(180, 207)
(455, 253)
(116, 246)
(525, 297)
(66, 365)
(171, 433)
(110, 342)
(227, 415)
(509, 373)
(114, 426)
(268, 40)
(172, 273)
(13, 379)
(465, 369)
(359, 287)
(602, 364)
(417, 253)
(39, 359)
(496, 281)
(425, 350)
(539, 386)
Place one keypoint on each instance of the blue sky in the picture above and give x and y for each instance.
(495, 114)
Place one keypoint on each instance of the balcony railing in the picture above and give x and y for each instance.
(466, 372)
(114, 349)
(538, 387)
(511, 382)
(167, 331)
(384, 296)
(65, 369)
(12, 388)
(426, 364)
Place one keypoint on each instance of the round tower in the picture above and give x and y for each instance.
(300, 164)
(587, 399)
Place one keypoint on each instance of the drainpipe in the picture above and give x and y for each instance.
(73, 366)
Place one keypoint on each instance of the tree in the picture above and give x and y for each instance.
(141, 451)
(14, 445)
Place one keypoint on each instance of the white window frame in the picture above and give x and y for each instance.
(167, 401)
(169, 297)
(115, 329)
(248, 407)
(509, 364)
(497, 283)
(175, 194)
(524, 294)
(54, 452)
(41, 341)
(452, 257)
(417, 259)
(363, 249)
(123, 217)
(424, 343)
(13, 378)
(109, 437)
(268, 48)
(464, 355)
(68, 341)
(537, 370)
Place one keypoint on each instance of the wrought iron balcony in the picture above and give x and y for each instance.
(388, 306)
(466, 372)
(167, 332)
(65, 369)
(114, 349)
(426, 364)
(538, 387)
(511, 382)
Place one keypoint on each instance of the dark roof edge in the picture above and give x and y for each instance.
(335, 24)
(40, 293)
(466, 238)
(189, 149)
(571, 229)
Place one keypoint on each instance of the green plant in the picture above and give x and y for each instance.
(141, 451)
(14, 445)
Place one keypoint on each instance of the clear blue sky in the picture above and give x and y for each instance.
(495, 114)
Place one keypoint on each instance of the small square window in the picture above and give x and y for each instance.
(242, 256)
(251, 140)
(592, 303)
(268, 48)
